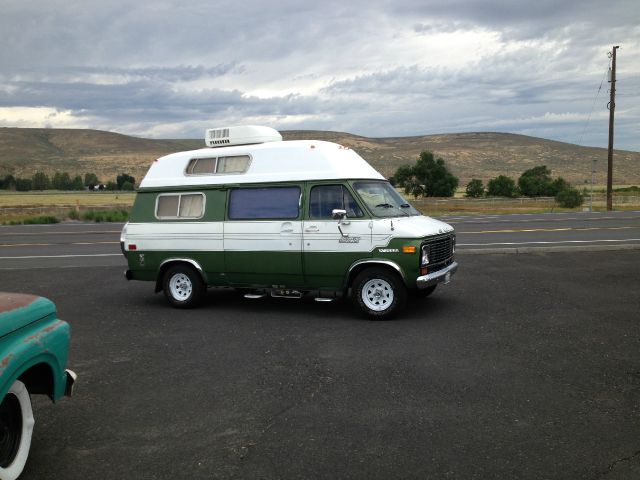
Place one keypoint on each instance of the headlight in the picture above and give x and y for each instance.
(424, 258)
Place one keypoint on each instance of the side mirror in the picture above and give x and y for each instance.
(338, 214)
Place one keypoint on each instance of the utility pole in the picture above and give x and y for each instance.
(612, 108)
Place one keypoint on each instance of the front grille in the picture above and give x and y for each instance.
(440, 251)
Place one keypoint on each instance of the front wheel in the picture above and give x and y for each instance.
(183, 287)
(379, 293)
(16, 427)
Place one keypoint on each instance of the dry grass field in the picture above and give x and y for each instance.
(20, 206)
(15, 206)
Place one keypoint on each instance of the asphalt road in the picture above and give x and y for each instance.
(82, 244)
(549, 231)
(524, 367)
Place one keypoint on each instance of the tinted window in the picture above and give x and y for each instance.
(325, 198)
(264, 203)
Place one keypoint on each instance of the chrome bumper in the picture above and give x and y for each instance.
(71, 380)
(437, 277)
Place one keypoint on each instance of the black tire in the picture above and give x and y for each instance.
(16, 428)
(424, 292)
(379, 293)
(183, 286)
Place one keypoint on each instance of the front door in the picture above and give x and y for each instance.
(331, 246)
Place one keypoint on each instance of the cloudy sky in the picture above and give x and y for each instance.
(171, 68)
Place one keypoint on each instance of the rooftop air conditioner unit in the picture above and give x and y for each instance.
(240, 135)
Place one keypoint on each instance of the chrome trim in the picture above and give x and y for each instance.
(192, 262)
(375, 261)
(436, 277)
(71, 377)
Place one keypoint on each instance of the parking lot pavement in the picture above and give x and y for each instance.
(524, 367)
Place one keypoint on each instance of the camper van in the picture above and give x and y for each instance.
(285, 219)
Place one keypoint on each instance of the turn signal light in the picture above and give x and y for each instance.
(408, 249)
(132, 246)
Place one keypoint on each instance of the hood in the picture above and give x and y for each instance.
(419, 226)
(20, 309)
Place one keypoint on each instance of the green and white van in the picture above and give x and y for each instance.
(281, 218)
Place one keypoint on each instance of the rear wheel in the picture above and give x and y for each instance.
(379, 293)
(16, 427)
(183, 286)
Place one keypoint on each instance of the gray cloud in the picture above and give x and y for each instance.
(382, 68)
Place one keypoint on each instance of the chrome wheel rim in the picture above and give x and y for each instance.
(377, 294)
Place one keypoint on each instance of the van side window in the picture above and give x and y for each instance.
(235, 164)
(171, 206)
(264, 203)
(325, 198)
(213, 165)
(201, 166)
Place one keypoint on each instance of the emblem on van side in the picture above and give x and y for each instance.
(388, 250)
(349, 240)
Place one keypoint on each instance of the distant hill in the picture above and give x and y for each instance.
(24, 151)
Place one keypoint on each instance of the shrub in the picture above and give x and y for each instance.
(107, 216)
(502, 186)
(475, 188)
(569, 198)
(42, 219)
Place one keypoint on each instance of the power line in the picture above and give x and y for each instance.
(593, 106)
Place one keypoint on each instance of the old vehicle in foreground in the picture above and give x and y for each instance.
(282, 218)
(34, 347)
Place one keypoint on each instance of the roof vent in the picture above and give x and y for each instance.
(241, 135)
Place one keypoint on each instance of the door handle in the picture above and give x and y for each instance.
(287, 227)
(311, 229)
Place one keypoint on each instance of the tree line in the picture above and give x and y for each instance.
(63, 181)
(429, 177)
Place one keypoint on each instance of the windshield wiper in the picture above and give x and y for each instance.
(388, 205)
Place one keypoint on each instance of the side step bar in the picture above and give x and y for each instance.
(282, 293)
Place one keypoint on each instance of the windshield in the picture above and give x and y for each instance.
(382, 200)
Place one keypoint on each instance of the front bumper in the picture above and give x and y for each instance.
(437, 277)
(71, 380)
